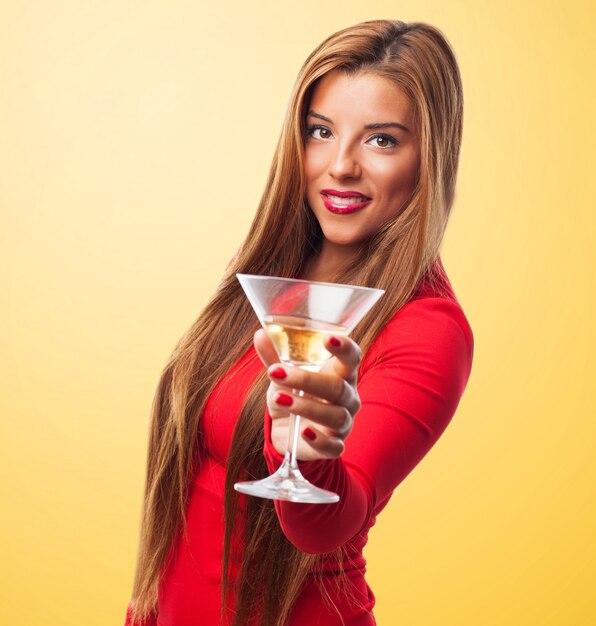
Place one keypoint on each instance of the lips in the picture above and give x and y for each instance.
(342, 202)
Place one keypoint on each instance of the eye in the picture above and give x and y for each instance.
(318, 132)
(384, 141)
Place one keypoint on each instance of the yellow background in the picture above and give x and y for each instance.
(135, 138)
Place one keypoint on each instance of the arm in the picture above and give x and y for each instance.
(410, 386)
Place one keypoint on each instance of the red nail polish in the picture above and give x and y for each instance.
(284, 399)
(309, 434)
(334, 341)
(278, 372)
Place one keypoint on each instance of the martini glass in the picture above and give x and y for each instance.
(298, 315)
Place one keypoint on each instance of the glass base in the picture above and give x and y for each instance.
(287, 484)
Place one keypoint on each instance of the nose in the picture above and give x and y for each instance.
(344, 163)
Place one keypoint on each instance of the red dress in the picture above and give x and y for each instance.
(410, 384)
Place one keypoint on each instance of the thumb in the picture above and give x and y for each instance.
(264, 348)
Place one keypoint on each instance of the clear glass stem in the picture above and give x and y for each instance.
(293, 440)
(294, 433)
(288, 483)
(289, 467)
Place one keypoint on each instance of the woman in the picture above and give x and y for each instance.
(359, 192)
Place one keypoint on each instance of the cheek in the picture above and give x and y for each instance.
(398, 181)
(314, 164)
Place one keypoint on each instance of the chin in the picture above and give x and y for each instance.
(343, 239)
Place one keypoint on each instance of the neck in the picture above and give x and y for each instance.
(330, 260)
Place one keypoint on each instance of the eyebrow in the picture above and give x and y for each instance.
(377, 125)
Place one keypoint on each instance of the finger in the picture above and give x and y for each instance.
(347, 355)
(278, 407)
(328, 447)
(329, 387)
(265, 348)
(336, 420)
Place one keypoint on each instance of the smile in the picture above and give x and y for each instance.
(337, 204)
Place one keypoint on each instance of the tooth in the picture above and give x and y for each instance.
(339, 200)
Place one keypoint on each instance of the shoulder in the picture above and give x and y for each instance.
(428, 346)
(431, 315)
(431, 326)
(424, 321)
(433, 308)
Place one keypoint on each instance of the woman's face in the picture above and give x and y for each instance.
(362, 155)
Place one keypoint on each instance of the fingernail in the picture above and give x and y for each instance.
(278, 372)
(309, 434)
(334, 341)
(284, 399)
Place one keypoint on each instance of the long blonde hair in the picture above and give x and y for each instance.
(283, 235)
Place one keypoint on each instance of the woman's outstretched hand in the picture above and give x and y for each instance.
(329, 405)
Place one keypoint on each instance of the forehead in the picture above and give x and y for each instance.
(363, 97)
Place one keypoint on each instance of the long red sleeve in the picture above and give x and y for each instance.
(410, 384)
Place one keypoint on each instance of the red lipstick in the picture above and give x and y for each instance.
(334, 201)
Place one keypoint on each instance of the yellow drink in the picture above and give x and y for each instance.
(299, 340)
